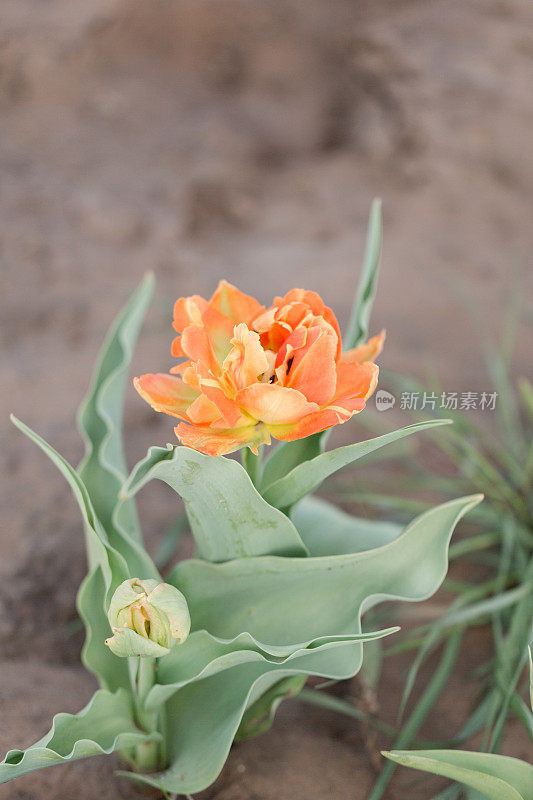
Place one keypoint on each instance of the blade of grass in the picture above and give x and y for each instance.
(421, 710)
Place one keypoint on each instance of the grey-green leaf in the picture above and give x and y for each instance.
(228, 517)
(358, 325)
(328, 531)
(203, 655)
(108, 570)
(282, 601)
(105, 725)
(103, 469)
(102, 553)
(307, 477)
(204, 715)
(111, 672)
(496, 777)
(286, 600)
(288, 455)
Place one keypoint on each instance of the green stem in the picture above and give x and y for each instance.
(253, 464)
(147, 755)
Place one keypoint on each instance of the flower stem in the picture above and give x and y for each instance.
(147, 755)
(253, 464)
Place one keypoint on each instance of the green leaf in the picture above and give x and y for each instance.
(530, 677)
(112, 672)
(497, 777)
(260, 716)
(108, 571)
(287, 600)
(307, 477)
(288, 455)
(204, 716)
(203, 655)
(358, 325)
(103, 469)
(422, 709)
(228, 517)
(111, 562)
(328, 531)
(280, 602)
(103, 726)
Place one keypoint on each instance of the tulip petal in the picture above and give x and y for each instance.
(274, 404)
(236, 305)
(197, 346)
(220, 443)
(203, 411)
(317, 306)
(230, 413)
(356, 380)
(166, 393)
(219, 330)
(188, 311)
(313, 371)
(246, 360)
(368, 351)
(335, 414)
(126, 643)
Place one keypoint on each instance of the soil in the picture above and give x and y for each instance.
(245, 140)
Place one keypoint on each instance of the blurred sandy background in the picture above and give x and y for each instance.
(246, 140)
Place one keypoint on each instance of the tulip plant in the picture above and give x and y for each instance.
(189, 661)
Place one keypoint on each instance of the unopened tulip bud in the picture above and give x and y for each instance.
(147, 618)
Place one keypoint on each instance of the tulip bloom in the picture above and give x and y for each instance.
(147, 618)
(251, 373)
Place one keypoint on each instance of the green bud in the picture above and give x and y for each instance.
(147, 618)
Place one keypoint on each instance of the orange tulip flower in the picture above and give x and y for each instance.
(251, 373)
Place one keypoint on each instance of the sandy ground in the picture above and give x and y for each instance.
(243, 140)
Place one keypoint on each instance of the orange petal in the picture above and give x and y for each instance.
(246, 360)
(230, 413)
(197, 346)
(220, 443)
(176, 349)
(166, 393)
(219, 330)
(313, 371)
(356, 380)
(188, 311)
(236, 305)
(273, 404)
(336, 414)
(368, 351)
(312, 299)
(203, 411)
(298, 338)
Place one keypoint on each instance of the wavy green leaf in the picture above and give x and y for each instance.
(259, 717)
(103, 468)
(285, 456)
(287, 600)
(280, 602)
(108, 571)
(203, 655)
(104, 555)
(496, 777)
(328, 531)
(307, 477)
(204, 716)
(358, 325)
(228, 517)
(288, 455)
(105, 725)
